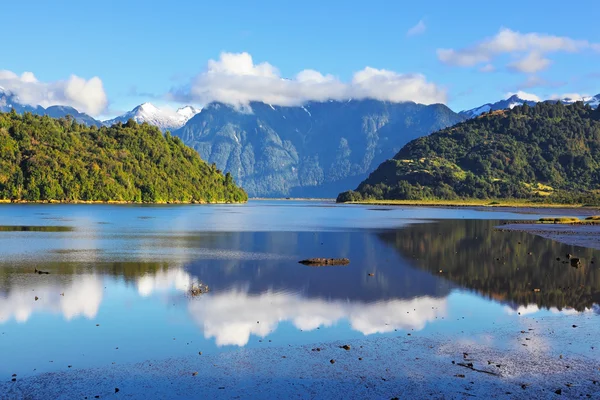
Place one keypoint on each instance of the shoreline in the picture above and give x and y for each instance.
(407, 365)
(470, 203)
(116, 202)
(582, 235)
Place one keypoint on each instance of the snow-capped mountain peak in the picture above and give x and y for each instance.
(164, 119)
(516, 100)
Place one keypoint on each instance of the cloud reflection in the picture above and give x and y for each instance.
(231, 317)
(82, 297)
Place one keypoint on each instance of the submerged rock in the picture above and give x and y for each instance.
(321, 262)
(198, 289)
(575, 262)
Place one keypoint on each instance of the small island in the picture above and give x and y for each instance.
(542, 155)
(43, 159)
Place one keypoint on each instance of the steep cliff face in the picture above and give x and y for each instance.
(315, 150)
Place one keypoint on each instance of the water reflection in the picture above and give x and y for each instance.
(231, 317)
(132, 276)
(80, 296)
(515, 268)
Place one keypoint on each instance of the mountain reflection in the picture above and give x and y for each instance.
(504, 266)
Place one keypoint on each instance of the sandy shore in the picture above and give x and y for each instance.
(576, 235)
(536, 358)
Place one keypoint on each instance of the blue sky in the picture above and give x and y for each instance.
(159, 51)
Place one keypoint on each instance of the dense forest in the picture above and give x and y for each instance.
(46, 159)
(548, 153)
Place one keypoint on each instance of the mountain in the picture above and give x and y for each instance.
(165, 120)
(315, 150)
(9, 101)
(63, 111)
(45, 159)
(515, 100)
(509, 103)
(547, 152)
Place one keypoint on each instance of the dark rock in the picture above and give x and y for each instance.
(559, 392)
(575, 262)
(345, 347)
(332, 361)
(321, 262)
(117, 390)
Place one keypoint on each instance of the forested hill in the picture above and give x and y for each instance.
(548, 152)
(42, 158)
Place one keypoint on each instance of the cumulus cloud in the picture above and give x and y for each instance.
(533, 45)
(418, 29)
(235, 79)
(531, 63)
(85, 95)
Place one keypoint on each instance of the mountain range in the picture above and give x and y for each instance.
(164, 119)
(308, 151)
(546, 153)
(315, 150)
(515, 100)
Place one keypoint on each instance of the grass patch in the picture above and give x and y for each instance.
(559, 220)
(519, 203)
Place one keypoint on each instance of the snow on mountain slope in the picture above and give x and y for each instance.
(515, 100)
(164, 119)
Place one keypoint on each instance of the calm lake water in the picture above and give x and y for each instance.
(117, 288)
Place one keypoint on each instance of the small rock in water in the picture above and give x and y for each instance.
(117, 390)
(194, 373)
(321, 262)
(575, 262)
(36, 298)
(332, 361)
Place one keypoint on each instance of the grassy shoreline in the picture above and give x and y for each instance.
(8, 201)
(469, 203)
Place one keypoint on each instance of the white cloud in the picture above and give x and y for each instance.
(235, 79)
(525, 96)
(531, 63)
(506, 41)
(418, 29)
(85, 95)
(569, 96)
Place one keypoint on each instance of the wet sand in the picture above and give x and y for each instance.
(537, 358)
(575, 235)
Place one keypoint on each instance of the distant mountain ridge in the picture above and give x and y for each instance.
(549, 152)
(515, 100)
(315, 150)
(163, 119)
(9, 101)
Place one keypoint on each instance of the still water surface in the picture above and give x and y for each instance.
(117, 288)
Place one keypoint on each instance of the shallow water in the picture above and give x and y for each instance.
(117, 288)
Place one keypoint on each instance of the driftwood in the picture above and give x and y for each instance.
(321, 262)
